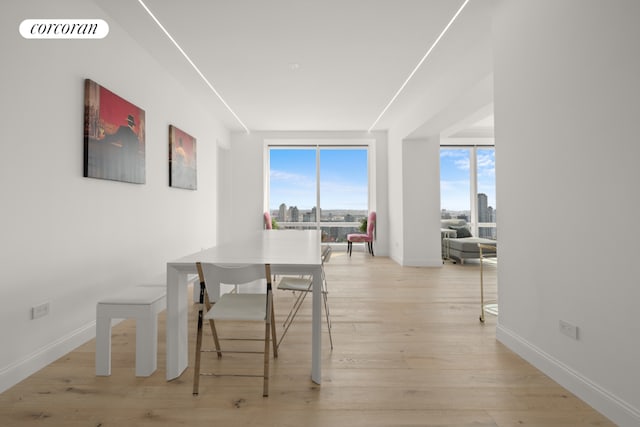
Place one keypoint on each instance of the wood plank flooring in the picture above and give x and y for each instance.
(409, 351)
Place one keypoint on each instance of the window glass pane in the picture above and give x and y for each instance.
(337, 234)
(344, 190)
(292, 184)
(486, 168)
(455, 184)
(488, 232)
(343, 184)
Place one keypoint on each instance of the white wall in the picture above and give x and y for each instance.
(247, 180)
(414, 171)
(566, 123)
(246, 203)
(395, 181)
(420, 181)
(69, 240)
(416, 241)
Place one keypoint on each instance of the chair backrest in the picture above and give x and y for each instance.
(326, 253)
(214, 274)
(267, 221)
(371, 224)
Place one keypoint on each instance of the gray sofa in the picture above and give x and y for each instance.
(458, 244)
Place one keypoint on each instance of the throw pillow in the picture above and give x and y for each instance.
(461, 232)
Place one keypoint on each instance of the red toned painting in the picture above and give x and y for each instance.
(114, 136)
(182, 159)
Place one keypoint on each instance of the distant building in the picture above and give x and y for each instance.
(486, 214)
(282, 213)
(310, 216)
(483, 211)
(294, 215)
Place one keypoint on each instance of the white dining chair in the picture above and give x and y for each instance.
(302, 286)
(250, 307)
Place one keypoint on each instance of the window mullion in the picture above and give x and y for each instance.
(317, 187)
(473, 170)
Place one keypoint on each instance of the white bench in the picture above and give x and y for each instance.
(142, 303)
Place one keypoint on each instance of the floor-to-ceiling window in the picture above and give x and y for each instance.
(319, 187)
(468, 187)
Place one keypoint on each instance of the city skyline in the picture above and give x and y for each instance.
(294, 214)
(343, 179)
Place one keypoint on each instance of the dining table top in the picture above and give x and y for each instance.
(291, 247)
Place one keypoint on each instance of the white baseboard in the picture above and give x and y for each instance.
(14, 373)
(614, 408)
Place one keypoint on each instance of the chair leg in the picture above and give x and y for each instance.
(325, 293)
(292, 314)
(196, 372)
(274, 338)
(267, 331)
(293, 310)
(326, 312)
(212, 325)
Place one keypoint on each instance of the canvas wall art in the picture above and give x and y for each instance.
(182, 159)
(114, 136)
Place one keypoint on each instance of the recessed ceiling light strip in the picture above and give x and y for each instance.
(419, 64)
(193, 65)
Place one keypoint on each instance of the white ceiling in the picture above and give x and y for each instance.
(306, 64)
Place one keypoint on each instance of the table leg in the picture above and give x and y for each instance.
(481, 287)
(316, 328)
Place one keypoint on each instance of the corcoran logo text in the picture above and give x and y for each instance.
(64, 29)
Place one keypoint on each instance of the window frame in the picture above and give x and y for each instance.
(319, 144)
(473, 222)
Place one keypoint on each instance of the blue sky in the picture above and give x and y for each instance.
(343, 178)
(455, 184)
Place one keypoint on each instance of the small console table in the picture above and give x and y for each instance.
(491, 306)
(445, 235)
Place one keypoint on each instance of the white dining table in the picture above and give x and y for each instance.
(288, 252)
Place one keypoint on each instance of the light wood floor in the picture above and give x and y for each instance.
(409, 351)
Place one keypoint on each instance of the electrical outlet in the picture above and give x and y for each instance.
(569, 330)
(40, 310)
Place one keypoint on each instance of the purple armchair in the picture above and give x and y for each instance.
(362, 238)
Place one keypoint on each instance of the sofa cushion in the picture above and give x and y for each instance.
(461, 232)
(452, 222)
(469, 244)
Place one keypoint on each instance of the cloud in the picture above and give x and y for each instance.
(282, 176)
(462, 164)
(460, 186)
(454, 153)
